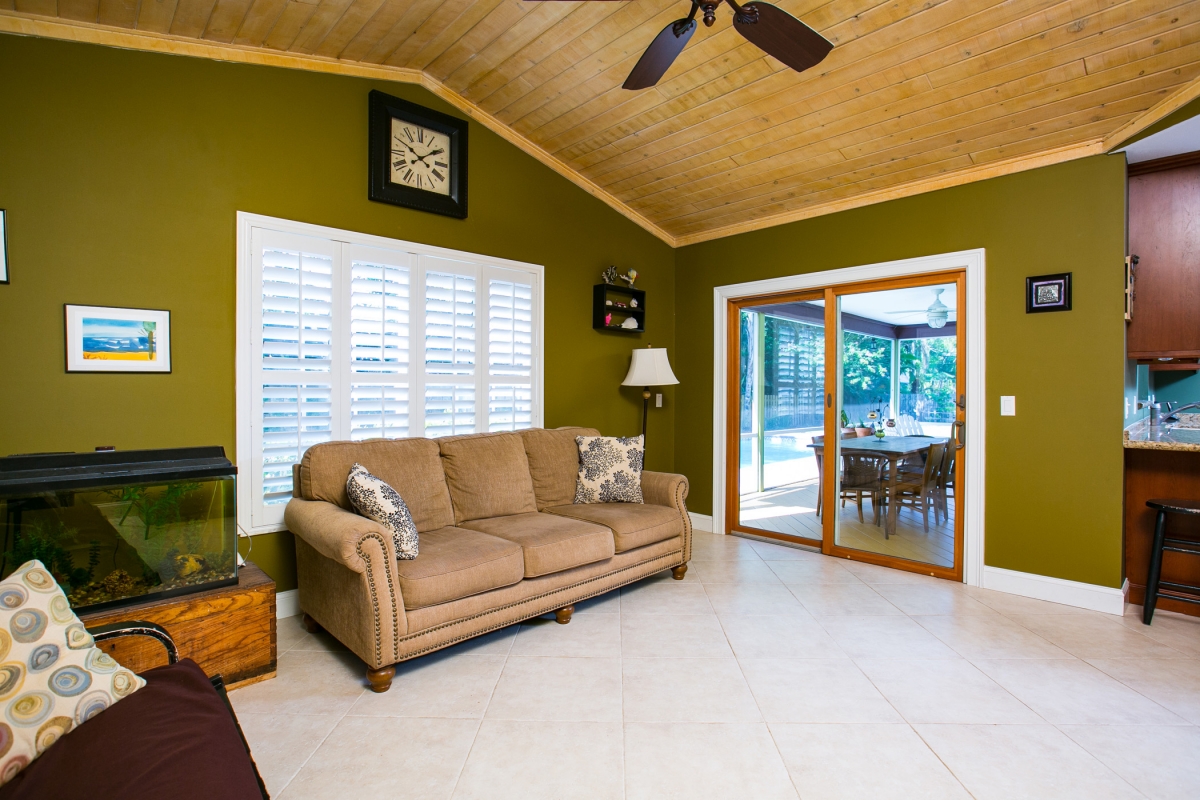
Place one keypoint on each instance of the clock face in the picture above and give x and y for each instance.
(419, 157)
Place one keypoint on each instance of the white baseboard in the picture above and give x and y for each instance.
(287, 604)
(1056, 590)
(701, 522)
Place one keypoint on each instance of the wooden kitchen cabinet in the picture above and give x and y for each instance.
(1164, 232)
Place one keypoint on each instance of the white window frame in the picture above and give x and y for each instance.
(248, 320)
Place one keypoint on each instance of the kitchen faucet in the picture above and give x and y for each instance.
(1173, 413)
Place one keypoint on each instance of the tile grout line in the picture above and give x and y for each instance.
(483, 713)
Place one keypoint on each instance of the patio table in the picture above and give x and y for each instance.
(893, 448)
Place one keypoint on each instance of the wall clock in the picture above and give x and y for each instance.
(418, 157)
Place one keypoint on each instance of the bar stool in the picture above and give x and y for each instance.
(1161, 543)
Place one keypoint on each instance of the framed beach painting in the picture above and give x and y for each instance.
(103, 339)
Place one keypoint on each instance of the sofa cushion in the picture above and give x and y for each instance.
(457, 562)
(54, 679)
(488, 475)
(553, 463)
(413, 467)
(551, 542)
(378, 502)
(610, 469)
(633, 524)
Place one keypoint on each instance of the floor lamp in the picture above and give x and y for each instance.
(649, 367)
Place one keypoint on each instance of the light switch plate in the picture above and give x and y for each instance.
(1008, 405)
(658, 401)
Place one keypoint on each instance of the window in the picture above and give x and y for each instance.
(347, 336)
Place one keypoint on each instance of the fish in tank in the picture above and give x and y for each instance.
(115, 528)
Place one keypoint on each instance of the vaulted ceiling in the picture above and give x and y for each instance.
(916, 95)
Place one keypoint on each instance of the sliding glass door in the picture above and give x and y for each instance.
(781, 410)
(847, 420)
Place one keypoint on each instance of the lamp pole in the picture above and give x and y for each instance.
(645, 411)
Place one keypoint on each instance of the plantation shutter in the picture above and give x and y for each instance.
(451, 345)
(293, 354)
(342, 336)
(380, 343)
(509, 383)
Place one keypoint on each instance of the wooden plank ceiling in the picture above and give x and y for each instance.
(916, 94)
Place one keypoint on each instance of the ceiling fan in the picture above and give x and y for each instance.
(937, 313)
(773, 30)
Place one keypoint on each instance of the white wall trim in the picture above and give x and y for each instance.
(701, 522)
(973, 261)
(1056, 590)
(287, 604)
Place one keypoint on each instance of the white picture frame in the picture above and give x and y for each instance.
(3, 247)
(104, 339)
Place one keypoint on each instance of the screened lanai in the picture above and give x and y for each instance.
(898, 376)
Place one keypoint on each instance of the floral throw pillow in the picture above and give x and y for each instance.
(377, 501)
(53, 678)
(610, 469)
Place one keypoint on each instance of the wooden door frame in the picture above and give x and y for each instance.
(833, 371)
(733, 428)
(971, 341)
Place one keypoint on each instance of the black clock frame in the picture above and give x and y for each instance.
(385, 108)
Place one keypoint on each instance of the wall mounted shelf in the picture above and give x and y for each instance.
(612, 305)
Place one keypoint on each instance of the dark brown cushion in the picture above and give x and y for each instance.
(550, 542)
(554, 463)
(174, 737)
(457, 562)
(633, 524)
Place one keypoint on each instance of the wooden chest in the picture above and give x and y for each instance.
(228, 631)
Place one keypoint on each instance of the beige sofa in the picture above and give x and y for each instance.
(501, 540)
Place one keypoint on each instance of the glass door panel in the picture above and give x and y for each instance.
(899, 373)
(781, 408)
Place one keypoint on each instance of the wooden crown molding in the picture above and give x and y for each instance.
(1163, 164)
(181, 46)
(1168, 105)
(54, 28)
(979, 172)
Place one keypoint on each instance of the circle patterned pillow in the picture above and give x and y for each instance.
(53, 678)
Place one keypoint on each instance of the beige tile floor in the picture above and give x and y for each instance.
(769, 672)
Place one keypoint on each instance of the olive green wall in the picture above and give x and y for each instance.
(122, 172)
(1054, 471)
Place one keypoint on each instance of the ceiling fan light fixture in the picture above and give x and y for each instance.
(937, 313)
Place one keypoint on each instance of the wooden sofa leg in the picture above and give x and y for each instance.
(381, 679)
(678, 572)
(563, 615)
(310, 624)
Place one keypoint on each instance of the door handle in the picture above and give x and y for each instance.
(961, 435)
(828, 400)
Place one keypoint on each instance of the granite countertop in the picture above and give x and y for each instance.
(1181, 436)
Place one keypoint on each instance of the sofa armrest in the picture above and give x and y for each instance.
(336, 533)
(361, 546)
(668, 489)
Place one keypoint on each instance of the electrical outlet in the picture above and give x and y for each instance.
(658, 401)
(1008, 405)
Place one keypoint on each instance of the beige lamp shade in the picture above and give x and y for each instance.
(650, 367)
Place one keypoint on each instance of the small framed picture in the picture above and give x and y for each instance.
(101, 339)
(1048, 293)
(3, 247)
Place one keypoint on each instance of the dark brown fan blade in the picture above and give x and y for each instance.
(660, 55)
(780, 34)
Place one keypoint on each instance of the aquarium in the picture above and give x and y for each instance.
(115, 528)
